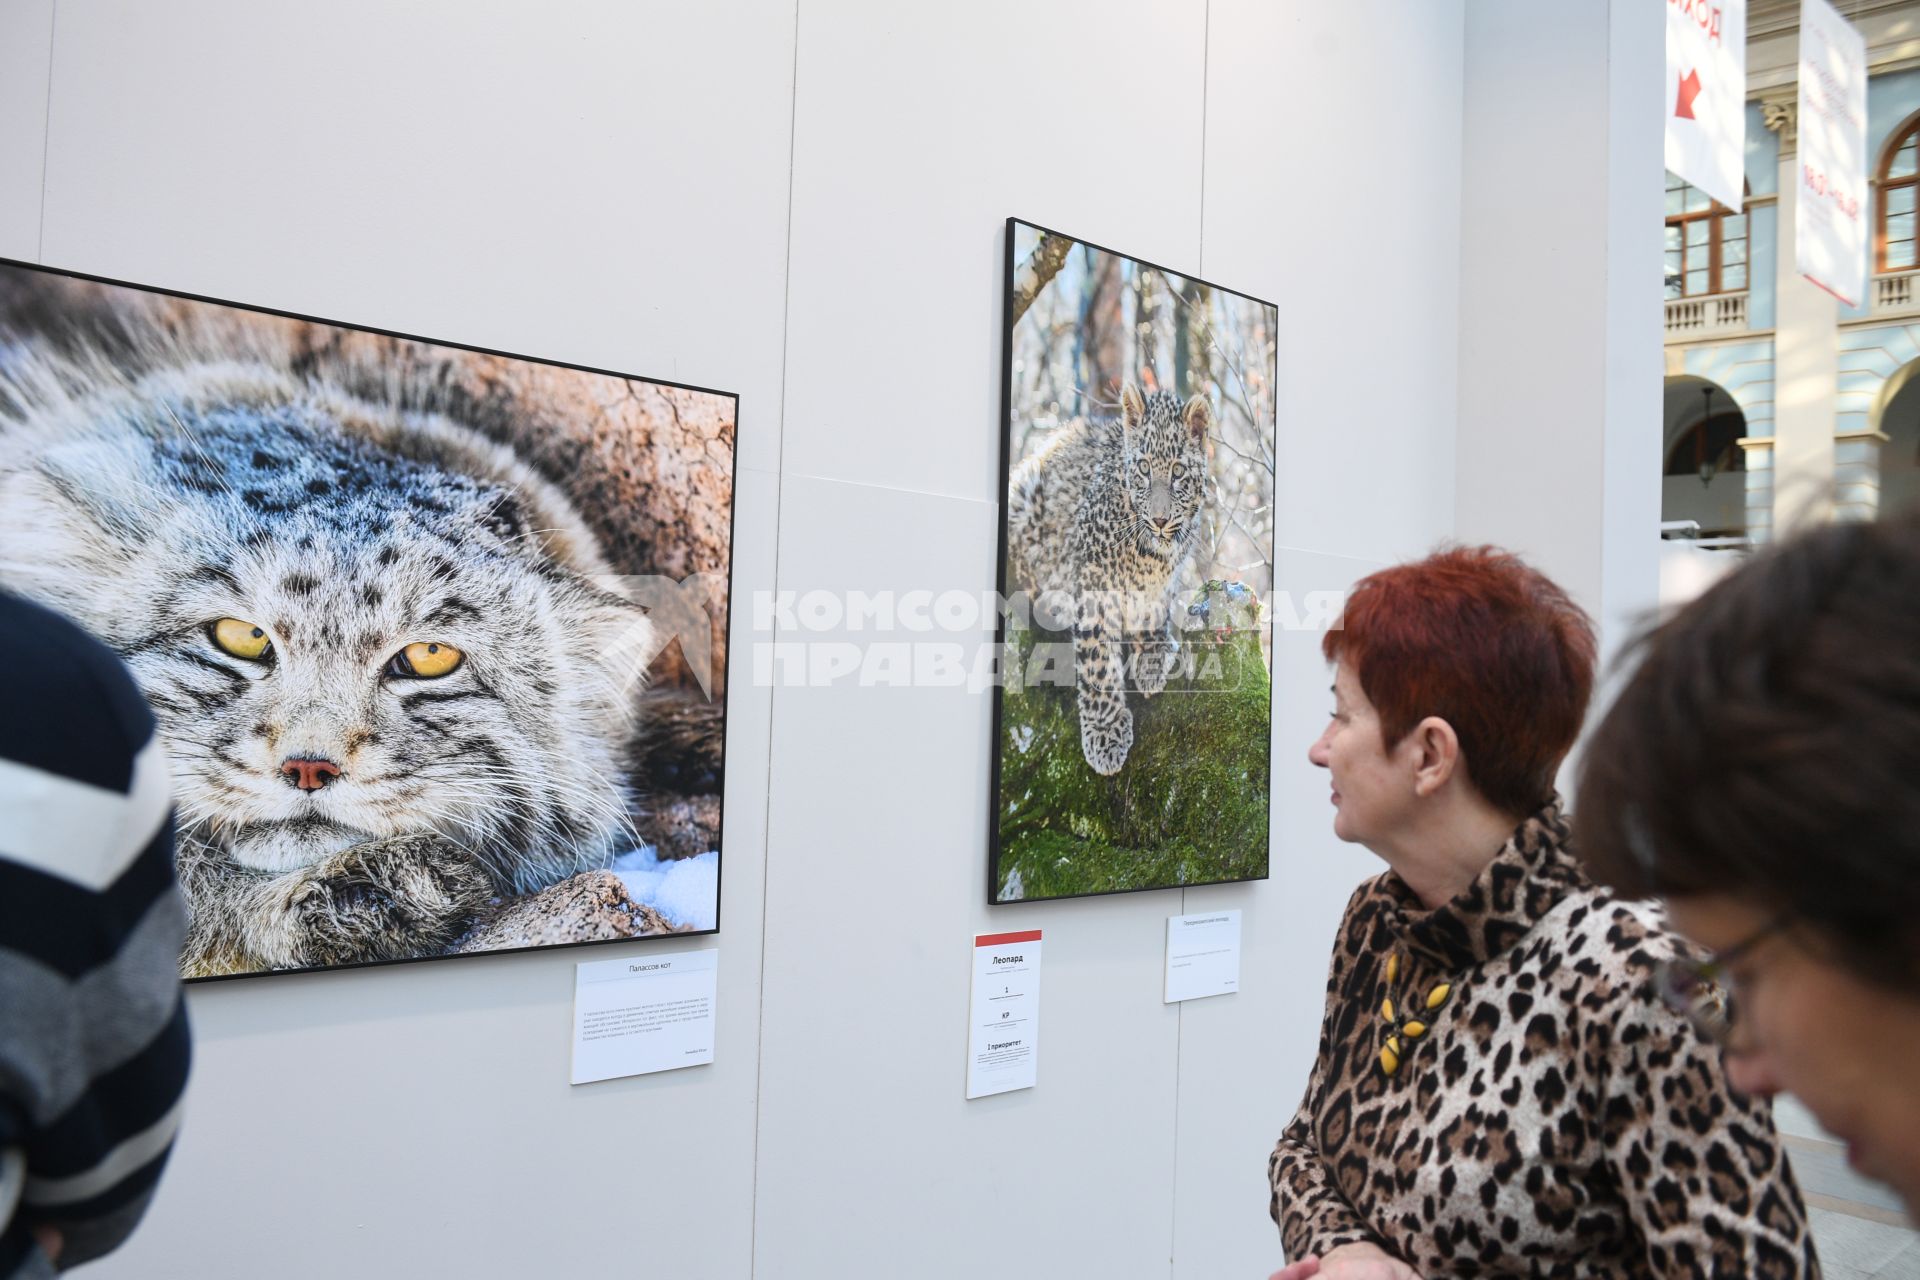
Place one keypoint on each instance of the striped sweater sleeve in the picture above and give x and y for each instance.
(93, 1030)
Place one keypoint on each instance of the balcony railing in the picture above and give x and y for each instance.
(1896, 293)
(1699, 317)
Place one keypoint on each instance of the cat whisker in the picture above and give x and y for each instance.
(604, 817)
(581, 796)
(532, 533)
(470, 783)
(28, 569)
(219, 471)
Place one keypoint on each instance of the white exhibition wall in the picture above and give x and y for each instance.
(806, 207)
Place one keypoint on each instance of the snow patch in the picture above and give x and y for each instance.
(684, 890)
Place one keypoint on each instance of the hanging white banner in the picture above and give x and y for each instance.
(1830, 225)
(1706, 95)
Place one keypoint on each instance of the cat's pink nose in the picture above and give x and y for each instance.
(309, 775)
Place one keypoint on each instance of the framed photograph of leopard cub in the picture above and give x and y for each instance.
(435, 636)
(1132, 718)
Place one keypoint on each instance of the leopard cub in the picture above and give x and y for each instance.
(1108, 512)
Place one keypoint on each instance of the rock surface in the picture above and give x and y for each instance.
(590, 907)
(684, 826)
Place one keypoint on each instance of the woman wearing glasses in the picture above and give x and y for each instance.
(1761, 772)
(1498, 1094)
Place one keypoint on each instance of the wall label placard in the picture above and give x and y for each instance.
(1203, 955)
(1003, 1026)
(643, 1014)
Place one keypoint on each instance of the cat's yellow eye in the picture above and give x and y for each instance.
(1179, 469)
(427, 660)
(1144, 466)
(241, 639)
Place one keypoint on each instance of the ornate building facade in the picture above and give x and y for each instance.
(1783, 404)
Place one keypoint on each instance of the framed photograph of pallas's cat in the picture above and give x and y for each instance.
(435, 636)
(1132, 718)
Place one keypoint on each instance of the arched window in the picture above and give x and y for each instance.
(1900, 453)
(1894, 238)
(1711, 446)
(1706, 243)
(1702, 426)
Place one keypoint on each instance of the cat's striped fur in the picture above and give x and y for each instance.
(168, 476)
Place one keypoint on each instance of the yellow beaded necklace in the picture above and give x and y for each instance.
(1403, 1032)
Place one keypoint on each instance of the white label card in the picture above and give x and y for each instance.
(642, 1014)
(1003, 1040)
(1203, 955)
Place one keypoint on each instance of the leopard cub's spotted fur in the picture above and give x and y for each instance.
(1107, 513)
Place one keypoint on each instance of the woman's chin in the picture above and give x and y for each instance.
(1905, 1181)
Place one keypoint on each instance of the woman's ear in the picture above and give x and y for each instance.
(1436, 755)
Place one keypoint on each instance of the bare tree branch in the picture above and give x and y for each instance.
(1191, 375)
(1042, 265)
(1148, 286)
(1107, 345)
(1258, 462)
(1254, 539)
(1240, 379)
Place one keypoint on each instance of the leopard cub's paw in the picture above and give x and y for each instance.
(1106, 745)
(1156, 663)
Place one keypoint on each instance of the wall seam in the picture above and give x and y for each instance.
(766, 831)
(1180, 1010)
(1461, 278)
(1206, 58)
(46, 138)
(1607, 407)
(1456, 417)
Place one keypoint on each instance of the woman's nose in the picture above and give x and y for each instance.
(1317, 753)
(1749, 1071)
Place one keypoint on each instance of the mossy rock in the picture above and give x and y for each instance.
(1190, 806)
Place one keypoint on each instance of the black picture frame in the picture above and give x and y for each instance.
(995, 876)
(724, 624)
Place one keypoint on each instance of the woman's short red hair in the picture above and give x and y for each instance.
(1489, 644)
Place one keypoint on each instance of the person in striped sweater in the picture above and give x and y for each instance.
(94, 1045)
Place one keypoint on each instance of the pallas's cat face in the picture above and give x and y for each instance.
(347, 629)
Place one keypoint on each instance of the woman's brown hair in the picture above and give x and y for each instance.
(1767, 746)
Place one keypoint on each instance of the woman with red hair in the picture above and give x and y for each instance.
(1498, 1091)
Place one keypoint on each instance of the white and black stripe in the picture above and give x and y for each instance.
(93, 1031)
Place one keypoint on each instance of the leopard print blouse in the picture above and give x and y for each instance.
(1499, 1093)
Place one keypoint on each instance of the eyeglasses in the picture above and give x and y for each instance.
(1697, 989)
